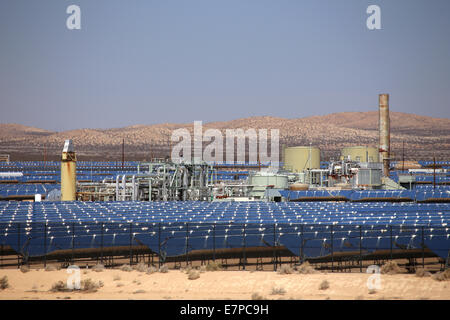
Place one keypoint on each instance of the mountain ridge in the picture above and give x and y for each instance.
(421, 134)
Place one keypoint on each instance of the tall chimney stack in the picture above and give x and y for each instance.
(385, 136)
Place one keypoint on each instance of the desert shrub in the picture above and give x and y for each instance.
(324, 285)
(139, 291)
(285, 269)
(202, 269)
(257, 296)
(4, 283)
(59, 286)
(372, 291)
(126, 268)
(442, 276)
(24, 269)
(117, 278)
(213, 266)
(164, 269)
(447, 274)
(278, 291)
(390, 267)
(420, 272)
(50, 267)
(193, 275)
(119, 285)
(151, 270)
(89, 285)
(306, 268)
(141, 267)
(98, 268)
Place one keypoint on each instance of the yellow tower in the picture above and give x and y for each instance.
(68, 173)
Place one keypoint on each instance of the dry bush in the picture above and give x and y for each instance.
(257, 296)
(135, 281)
(139, 291)
(24, 269)
(164, 269)
(119, 285)
(324, 285)
(4, 283)
(213, 266)
(98, 268)
(151, 270)
(50, 268)
(306, 268)
(390, 267)
(141, 267)
(126, 268)
(187, 269)
(372, 291)
(447, 274)
(193, 275)
(442, 276)
(202, 269)
(278, 291)
(89, 285)
(117, 278)
(59, 286)
(285, 269)
(420, 272)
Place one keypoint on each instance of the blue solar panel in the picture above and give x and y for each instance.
(176, 227)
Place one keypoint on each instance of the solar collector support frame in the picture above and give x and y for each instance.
(275, 261)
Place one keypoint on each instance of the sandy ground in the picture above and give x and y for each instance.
(233, 285)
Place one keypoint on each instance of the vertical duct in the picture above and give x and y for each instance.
(383, 119)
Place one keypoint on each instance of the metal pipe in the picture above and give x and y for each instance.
(133, 190)
(384, 131)
(124, 186)
(117, 187)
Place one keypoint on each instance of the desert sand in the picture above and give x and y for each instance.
(118, 284)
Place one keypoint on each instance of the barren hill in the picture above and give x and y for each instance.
(422, 136)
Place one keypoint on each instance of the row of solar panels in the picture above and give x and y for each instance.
(26, 189)
(174, 227)
(358, 195)
(208, 212)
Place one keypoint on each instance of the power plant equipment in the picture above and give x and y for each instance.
(68, 172)
(360, 154)
(301, 158)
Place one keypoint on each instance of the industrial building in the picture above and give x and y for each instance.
(346, 212)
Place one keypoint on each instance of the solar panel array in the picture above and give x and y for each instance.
(358, 195)
(311, 229)
(7, 190)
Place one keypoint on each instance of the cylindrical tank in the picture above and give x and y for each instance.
(298, 159)
(278, 181)
(360, 153)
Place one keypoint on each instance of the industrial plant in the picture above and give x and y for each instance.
(340, 214)
(357, 168)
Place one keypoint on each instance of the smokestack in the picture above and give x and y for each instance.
(385, 136)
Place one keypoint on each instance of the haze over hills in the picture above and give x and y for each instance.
(422, 136)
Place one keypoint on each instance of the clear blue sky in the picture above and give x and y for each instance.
(153, 61)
